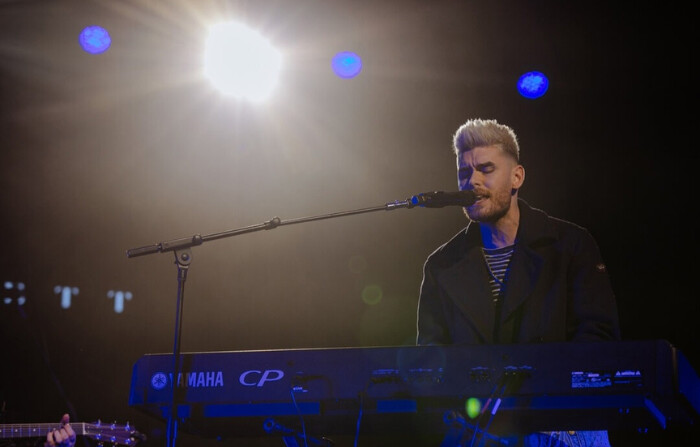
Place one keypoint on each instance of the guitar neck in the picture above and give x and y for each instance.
(36, 430)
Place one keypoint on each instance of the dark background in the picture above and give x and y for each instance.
(103, 153)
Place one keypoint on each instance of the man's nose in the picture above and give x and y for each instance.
(473, 181)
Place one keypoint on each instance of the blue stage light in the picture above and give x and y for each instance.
(95, 39)
(533, 84)
(67, 294)
(346, 64)
(119, 297)
(14, 291)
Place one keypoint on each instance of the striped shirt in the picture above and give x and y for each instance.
(497, 260)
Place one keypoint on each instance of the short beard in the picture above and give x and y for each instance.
(502, 203)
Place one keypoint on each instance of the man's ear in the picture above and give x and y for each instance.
(517, 178)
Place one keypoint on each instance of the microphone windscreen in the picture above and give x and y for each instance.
(439, 199)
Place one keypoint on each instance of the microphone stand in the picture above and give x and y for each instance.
(182, 249)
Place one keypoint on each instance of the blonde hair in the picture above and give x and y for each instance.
(479, 132)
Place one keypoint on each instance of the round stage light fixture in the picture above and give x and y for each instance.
(94, 39)
(533, 84)
(346, 64)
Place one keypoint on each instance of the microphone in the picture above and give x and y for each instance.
(439, 199)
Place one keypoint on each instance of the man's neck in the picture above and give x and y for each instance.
(501, 233)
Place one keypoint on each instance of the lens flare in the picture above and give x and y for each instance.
(472, 407)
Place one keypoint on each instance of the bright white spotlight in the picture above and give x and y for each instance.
(240, 62)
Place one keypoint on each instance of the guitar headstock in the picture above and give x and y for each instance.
(112, 433)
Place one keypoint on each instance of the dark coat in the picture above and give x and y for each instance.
(557, 288)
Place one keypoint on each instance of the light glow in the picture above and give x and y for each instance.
(119, 297)
(95, 39)
(66, 293)
(240, 62)
(533, 84)
(346, 64)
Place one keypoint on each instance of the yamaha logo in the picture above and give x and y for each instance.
(194, 379)
(159, 380)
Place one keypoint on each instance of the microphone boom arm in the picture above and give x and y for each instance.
(198, 239)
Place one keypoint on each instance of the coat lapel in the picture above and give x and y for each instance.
(466, 282)
(526, 265)
(524, 268)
